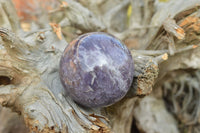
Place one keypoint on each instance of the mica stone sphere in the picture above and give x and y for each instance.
(96, 69)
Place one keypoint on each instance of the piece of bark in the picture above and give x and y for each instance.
(36, 91)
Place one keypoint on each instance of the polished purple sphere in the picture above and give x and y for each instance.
(96, 69)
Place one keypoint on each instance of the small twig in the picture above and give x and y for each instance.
(37, 31)
(55, 10)
(131, 31)
(171, 44)
(187, 48)
(161, 52)
(150, 52)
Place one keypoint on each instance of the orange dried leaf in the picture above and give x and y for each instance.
(57, 30)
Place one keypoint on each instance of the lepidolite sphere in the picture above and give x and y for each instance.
(96, 69)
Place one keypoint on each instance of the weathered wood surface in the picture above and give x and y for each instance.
(31, 61)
